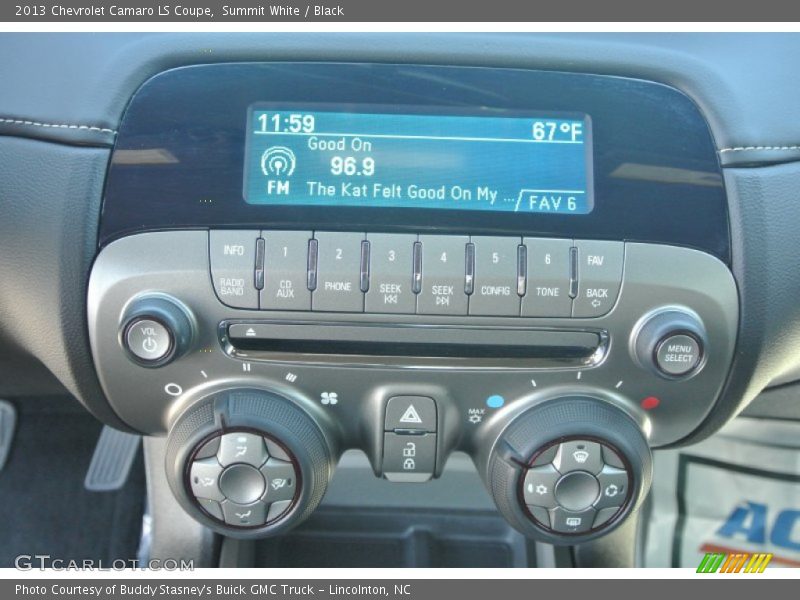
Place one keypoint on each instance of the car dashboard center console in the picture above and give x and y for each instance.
(296, 259)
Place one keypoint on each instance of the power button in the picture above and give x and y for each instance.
(148, 340)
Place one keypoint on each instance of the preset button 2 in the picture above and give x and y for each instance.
(338, 273)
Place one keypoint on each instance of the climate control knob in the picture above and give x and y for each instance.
(248, 462)
(570, 469)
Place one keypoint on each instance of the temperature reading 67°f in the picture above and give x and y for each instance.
(558, 131)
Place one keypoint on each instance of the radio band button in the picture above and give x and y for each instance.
(233, 262)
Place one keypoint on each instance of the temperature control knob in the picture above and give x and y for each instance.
(248, 462)
(570, 469)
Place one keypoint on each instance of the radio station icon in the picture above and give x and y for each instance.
(278, 161)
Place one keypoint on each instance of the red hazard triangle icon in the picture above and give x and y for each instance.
(411, 415)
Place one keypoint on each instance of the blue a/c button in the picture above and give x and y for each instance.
(495, 401)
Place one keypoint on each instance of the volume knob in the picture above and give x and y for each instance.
(156, 330)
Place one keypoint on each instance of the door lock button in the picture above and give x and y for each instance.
(409, 458)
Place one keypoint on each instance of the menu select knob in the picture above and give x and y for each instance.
(156, 330)
(671, 343)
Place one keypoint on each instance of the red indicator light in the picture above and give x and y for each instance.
(650, 403)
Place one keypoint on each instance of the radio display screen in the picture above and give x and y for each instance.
(497, 162)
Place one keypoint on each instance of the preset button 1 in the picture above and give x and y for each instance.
(285, 271)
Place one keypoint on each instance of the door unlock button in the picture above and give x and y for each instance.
(409, 458)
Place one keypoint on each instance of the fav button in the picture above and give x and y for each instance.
(599, 277)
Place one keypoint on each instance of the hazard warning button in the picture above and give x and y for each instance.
(411, 413)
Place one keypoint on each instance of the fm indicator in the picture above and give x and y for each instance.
(527, 164)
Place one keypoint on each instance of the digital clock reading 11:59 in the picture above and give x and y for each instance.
(285, 123)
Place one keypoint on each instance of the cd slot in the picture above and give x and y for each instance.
(407, 345)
